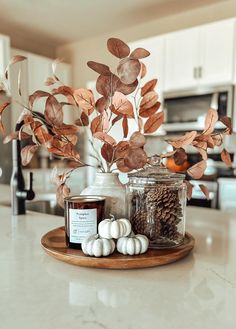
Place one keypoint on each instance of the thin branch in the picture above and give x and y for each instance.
(136, 112)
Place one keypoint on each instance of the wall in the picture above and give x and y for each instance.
(78, 53)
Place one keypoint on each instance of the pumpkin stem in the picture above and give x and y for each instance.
(112, 217)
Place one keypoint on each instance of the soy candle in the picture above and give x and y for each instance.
(83, 213)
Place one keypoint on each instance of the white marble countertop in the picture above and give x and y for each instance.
(40, 292)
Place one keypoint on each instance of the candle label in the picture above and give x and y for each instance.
(83, 222)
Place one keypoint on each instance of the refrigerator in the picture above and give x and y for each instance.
(5, 149)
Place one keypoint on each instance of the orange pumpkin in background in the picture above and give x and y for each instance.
(172, 166)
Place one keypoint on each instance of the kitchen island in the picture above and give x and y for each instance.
(40, 292)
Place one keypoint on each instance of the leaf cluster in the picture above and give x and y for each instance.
(202, 142)
(123, 98)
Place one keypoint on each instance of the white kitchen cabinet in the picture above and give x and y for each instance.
(40, 68)
(227, 191)
(200, 56)
(154, 62)
(18, 101)
(34, 71)
(4, 53)
(64, 73)
(217, 52)
(234, 54)
(181, 59)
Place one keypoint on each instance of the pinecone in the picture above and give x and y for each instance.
(168, 209)
(170, 231)
(139, 222)
(143, 222)
(156, 213)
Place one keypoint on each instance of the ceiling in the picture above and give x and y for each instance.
(55, 22)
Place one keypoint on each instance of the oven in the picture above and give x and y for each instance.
(199, 200)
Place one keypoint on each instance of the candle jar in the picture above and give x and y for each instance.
(156, 204)
(82, 216)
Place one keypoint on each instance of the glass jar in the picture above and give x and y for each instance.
(156, 204)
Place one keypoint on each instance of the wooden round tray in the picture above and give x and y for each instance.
(54, 244)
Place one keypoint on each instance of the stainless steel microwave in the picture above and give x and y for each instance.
(186, 110)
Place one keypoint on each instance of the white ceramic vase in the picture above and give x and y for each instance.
(109, 185)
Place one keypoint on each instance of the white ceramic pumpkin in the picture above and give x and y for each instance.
(97, 246)
(112, 228)
(133, 245)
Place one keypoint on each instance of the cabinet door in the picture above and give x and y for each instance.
(18, 101)
(4, 53)
(181, 59)
(64, 73)
(217, 49)
(155, 62)
(39, 69)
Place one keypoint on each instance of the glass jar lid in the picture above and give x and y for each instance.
(155, 172)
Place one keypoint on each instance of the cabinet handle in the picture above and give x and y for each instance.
(200, 72)
(195, 72)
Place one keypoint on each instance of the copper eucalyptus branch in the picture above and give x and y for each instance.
(125, 151)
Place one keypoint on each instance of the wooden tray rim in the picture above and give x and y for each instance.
(123, 262)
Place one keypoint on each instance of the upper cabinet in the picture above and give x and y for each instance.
(40, 68)
(64, 72)
(154, 62)
(234, 59)
(18, 101)
(4, 53)
(34, 72)
(181, 59)
(217, 53)
(200, 56)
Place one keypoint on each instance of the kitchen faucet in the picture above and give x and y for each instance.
(18, 192)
